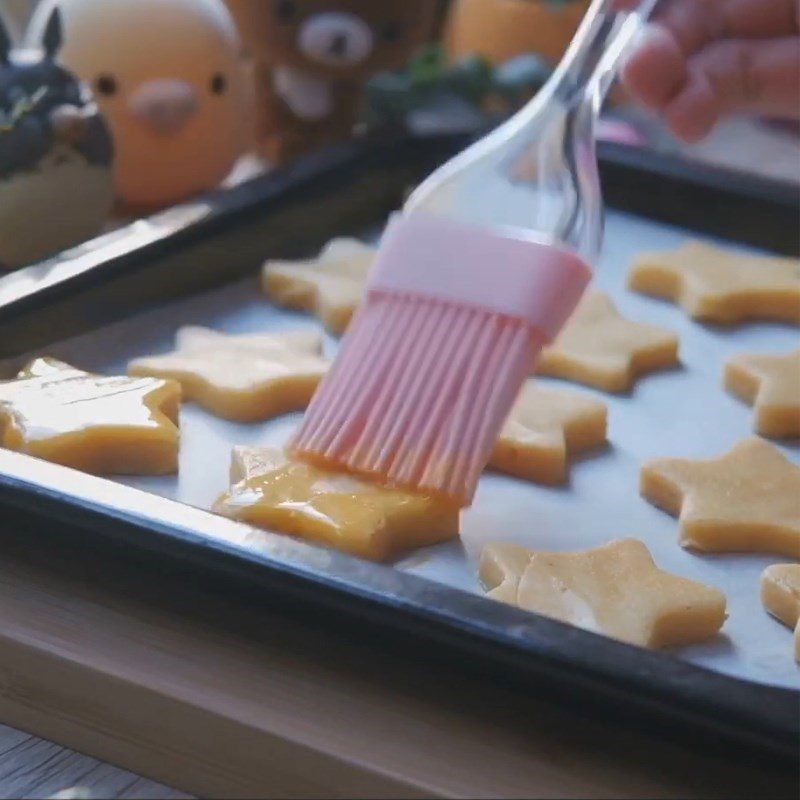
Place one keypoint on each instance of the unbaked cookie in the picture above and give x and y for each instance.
(746, 500)
(771, 383)
(330, 286)
(600, 348)
(242, 378)
(544, 426)
(98, 424)
(615, 590)
(272, 491)
(720, 285)
(194, 337)
(780, 594)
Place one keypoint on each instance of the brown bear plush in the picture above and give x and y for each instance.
(320, 54)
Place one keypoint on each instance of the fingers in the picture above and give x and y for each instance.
(706, 58)
(753, 76)
(657, 70)
(759, 76)
(692, 114)
(696, 23)
(740, 17)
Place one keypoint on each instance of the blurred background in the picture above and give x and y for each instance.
(196, 94)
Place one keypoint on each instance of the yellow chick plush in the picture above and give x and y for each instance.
(168, 77)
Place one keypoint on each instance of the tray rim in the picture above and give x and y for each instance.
(748, 715)
(71, 269)
(742, 714)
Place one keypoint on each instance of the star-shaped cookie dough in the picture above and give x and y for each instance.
(330, 286)
(600, 348)
(615, 590)
(780, 594)
(772, 384)
(98, 424)
(720, 285)
(543, 427)
(194, 337)
(241, 378)
(747, 500)
(272, 491)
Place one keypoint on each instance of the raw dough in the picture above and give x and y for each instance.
(600, 348)
(272, 491)
(501, 568)
(98, 424)
(780, 594)
(545, 425)
(192, 337)
(330, 286)
(772, 384)
(242, 378)
(746, 500)
(616, 590)
(720, 285)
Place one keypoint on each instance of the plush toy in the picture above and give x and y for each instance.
(16, 14)
(320, 55)
(168, 76)
(55, 153)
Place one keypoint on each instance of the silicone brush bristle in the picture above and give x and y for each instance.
(418, 394)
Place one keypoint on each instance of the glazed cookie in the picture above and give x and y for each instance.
(719, 285)
(270, 490)
(103, 425)
(746, 500)
(545, 426)
(330, 286)
(615, 590)
(780, 594)
(600, 348)
(770, 383)
(242, 378)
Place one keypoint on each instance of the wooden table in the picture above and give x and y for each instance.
(32, 767)
(143, 666)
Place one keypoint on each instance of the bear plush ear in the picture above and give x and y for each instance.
(53, 34)
(5, 42)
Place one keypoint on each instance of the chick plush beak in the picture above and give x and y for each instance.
(164, 106)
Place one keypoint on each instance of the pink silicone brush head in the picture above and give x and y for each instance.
(457, 311)
(435, 357)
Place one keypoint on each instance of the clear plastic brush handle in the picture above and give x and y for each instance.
(538, 171)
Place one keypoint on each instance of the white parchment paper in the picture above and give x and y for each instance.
(682, 412)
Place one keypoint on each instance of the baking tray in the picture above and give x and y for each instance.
(126, 293)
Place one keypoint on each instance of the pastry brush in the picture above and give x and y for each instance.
(483, 267)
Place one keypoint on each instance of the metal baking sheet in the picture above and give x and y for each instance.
(430, 596)
(680, 412)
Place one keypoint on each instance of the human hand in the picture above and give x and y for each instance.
(703, 59)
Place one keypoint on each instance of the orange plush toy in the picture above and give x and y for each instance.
(320, 54)
(168, 77)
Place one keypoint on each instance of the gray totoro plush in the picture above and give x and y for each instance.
(56, 154)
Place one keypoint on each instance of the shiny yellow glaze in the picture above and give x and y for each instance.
(98, 424)
(274, 492)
